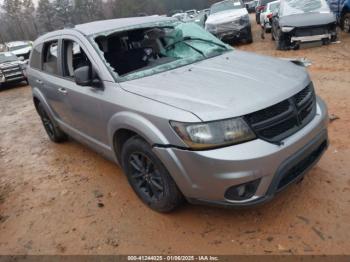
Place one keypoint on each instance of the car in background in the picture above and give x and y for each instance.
(20, 48)
(183, 17)
(229, 21)
(341, 8)
(191, 13)
(266, 16)
(303, 21)
(12, 69)
(260, 7)
(251, 5)
(201, 17)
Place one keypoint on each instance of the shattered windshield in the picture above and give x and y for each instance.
(146, 51)
(7, 57)
(226, 5)
(293, 7)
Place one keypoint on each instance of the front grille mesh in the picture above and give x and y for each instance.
(12, 72)
(284, 119)
(310, 31)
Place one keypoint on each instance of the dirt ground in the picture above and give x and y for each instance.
(65, 199)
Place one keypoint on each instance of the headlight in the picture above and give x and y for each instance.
(211, 28)
(287, 29)
(214, 134)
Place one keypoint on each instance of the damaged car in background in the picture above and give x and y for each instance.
(300, 22)
(21, 49)
(185, 115)
(12, 69)
(267, 14)
(229, 21)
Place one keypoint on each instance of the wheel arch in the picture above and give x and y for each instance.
(125, 125)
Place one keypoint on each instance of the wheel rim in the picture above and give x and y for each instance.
(347, 25)
(146, 176)
(47, 123)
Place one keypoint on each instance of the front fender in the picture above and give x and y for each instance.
(138, 124)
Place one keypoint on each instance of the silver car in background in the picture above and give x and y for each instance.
(185, 115)
(229, 21)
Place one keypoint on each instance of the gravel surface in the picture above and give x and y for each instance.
(66, 199)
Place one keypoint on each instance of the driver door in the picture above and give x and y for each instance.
(83, 101)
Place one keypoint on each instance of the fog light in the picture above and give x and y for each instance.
(242, 192)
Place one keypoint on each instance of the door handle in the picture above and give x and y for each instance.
(63, 91)
(38, 81)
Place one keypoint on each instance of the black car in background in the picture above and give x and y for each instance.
(303, 21)
(261, 6)
(12, 69)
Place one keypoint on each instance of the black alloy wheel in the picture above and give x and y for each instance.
(146, 176)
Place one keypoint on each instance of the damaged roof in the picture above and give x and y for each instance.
(115, 24)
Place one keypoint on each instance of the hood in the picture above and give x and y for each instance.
(22, 51)
(4, 65)
(233, 84)
(307, 19)
(226, 16)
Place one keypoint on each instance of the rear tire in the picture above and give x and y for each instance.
(249, 37)
(148, 176)
(346, 23)
(55, 134)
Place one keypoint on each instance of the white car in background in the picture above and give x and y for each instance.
(266, 15)
(229, 21)
(20, 48)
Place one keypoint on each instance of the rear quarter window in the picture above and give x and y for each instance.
(35, 60)
(50, 57)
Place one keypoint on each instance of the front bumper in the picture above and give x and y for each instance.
(311, 38)
(233, 34)
(205, 176)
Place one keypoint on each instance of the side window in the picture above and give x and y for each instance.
(35, 61)
(50, 58)
(74, 57)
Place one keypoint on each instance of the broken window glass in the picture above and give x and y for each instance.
(141, 52)
(293, 7)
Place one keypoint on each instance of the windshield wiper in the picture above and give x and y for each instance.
(172, 45)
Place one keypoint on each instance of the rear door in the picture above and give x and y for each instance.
(50, 81)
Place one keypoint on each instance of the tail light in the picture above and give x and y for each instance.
(269, 16)
(260, 8)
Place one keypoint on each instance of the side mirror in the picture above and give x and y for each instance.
(84, 76)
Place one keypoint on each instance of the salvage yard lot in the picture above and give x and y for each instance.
(66, 199)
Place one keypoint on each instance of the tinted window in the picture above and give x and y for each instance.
(50, 61)
(226, 5)
(74, 58)
(35, 61)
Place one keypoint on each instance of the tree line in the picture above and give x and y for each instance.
(22, 20)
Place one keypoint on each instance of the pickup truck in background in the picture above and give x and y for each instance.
(341, 8)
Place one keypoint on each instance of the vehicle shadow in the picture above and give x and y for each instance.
(7, 86)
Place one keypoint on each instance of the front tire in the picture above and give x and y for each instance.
(55, 134)
(148, 177)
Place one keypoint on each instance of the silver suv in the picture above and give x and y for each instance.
(185, 115)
